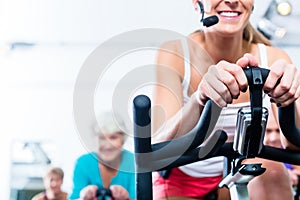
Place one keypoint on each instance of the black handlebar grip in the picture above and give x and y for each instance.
(142, 145)
(142, 105)
(249, 74)
(142, 123)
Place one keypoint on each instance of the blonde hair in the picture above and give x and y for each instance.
(252, 35)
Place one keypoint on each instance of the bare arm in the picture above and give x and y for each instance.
(170, 118)
(221, 83)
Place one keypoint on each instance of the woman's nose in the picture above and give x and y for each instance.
(273, 137)
(231, 2)
(53, 183)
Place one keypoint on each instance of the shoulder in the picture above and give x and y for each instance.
(172, 54)
(170, 50)
(176, 45)
(39, 196)
(197, 36)
(127, 154)
(65, 195)
(87, 158)
(170, 58)
(127, 164)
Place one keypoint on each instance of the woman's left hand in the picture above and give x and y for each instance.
(288, 89)
(282, 92)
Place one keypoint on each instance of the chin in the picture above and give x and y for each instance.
(230, 29)
(55, 191)
(110, 158)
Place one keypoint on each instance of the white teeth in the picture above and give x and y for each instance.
(229, 14)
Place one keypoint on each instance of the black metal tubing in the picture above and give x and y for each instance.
(256, 78)
(288, 124)
(142, 145)
(225, 149)
(193, 138)
(148, 159)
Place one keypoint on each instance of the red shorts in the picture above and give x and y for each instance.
(181, 184)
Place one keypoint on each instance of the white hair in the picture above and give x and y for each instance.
(109, 123)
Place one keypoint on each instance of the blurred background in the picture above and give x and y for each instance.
(43, 45)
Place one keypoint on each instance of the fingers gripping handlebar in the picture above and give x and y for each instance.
(286, 114)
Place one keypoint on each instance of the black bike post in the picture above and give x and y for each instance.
(142, 145)
(256, 78)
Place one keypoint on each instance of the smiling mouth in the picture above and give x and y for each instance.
(108, 150)
(229, 13)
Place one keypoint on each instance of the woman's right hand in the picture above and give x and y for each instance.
(222, 83)
(119, 192)
(89, 193)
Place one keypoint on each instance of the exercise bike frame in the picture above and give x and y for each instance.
(152, 157)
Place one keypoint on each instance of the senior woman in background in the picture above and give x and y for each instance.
(111, 167)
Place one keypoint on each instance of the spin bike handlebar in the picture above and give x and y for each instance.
(153, 157)
(286, 114)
